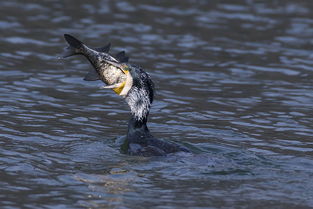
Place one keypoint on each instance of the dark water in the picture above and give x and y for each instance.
(233, 80)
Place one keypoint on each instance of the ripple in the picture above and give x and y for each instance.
(20, 40)
(233, 83)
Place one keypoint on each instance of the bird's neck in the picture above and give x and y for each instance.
(139, 103)
(136, 124)
(138, 131)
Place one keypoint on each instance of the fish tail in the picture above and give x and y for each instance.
(75, 46)
(73, 42)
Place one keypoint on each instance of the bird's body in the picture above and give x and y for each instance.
(136, 86)
(139, 141)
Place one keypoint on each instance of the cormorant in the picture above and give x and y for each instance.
(137, 88)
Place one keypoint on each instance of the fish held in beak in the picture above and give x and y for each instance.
(110, 69)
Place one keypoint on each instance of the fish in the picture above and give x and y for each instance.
(106, 66)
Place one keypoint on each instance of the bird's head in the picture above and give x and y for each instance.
(137, 89)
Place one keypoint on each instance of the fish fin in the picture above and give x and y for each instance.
(105, 48)
(92, 76)
(73, 42)
(121, 57)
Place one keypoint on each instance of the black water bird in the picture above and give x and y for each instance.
(137, 88)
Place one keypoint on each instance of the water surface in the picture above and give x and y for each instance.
(233, 82)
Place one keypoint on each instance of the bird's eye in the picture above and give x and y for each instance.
(126, 67)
